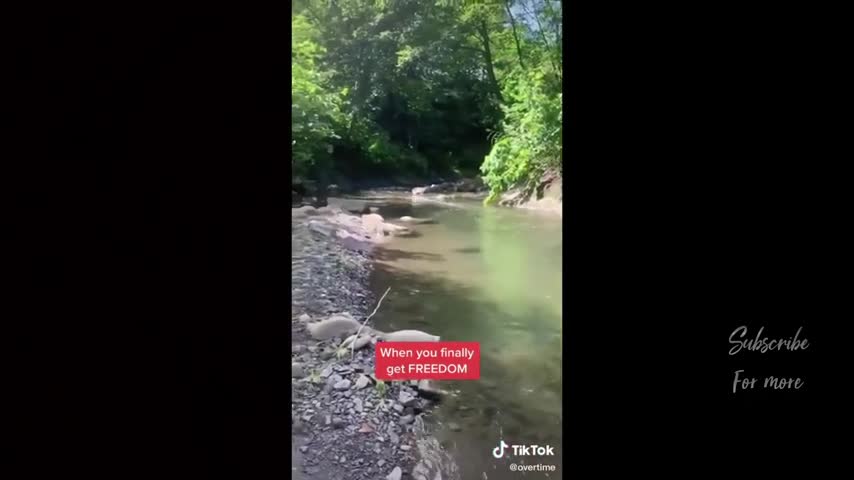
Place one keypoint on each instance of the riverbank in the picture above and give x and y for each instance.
(546, 194)
(346, 424)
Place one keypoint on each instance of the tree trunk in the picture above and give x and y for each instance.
(515, 34)
(487, 58)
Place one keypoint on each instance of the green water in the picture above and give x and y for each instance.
(490, 275)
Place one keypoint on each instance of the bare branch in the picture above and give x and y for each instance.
(353, 344)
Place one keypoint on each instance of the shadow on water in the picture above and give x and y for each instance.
(518, 397)
(468, 250)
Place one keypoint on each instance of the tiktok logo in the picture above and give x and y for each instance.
(498, 451)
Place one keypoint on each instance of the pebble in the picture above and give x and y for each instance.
(395, 474)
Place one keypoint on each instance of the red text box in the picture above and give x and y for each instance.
(428, 361)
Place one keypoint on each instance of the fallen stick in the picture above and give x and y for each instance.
(353, 344)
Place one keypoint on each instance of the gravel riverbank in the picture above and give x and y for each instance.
(345, 424)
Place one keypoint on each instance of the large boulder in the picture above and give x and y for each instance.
(337, 325)
(470, 185)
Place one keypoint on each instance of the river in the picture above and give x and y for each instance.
(490, 275)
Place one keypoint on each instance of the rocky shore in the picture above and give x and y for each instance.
(346, 424)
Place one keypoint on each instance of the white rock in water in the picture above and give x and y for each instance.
(391, 229)
(406, 218)
(304, 318)
(373, 223)
(334, 326)
(410, 336)
(395, 474)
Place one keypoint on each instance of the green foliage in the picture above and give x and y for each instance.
(530, 140)
(415, 87)
(381, 388)
(316, 107)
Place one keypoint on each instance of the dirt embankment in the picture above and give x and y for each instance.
(544, 194)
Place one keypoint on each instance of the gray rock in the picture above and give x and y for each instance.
(420, 470)
(427, 389)
(397, 408)
(362, 382)
(303, 449)
(405, 448)
(357, 404)
(304, 318)
(406, 399)
(380, 463)
(297, 370)
(395, 474)
(407, 419)
(342, 385)
(322, 228)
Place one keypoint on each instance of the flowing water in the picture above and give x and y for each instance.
(490, 275)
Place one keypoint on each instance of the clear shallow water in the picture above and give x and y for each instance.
(490, 275)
